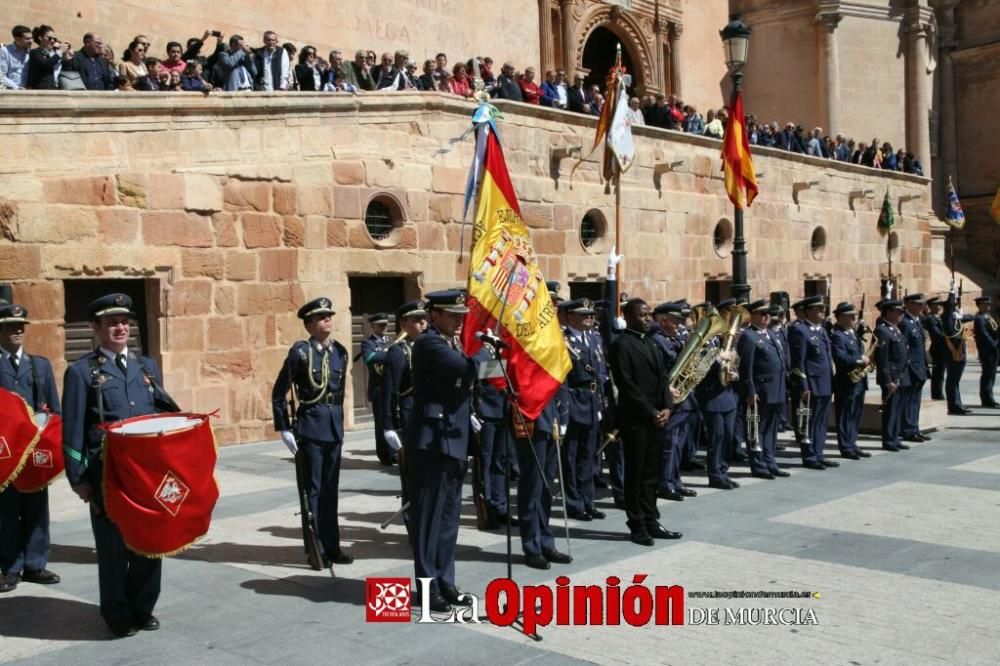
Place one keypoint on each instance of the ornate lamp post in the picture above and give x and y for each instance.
(736, 43)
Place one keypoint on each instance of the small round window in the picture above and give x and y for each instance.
(817, 245)
(592, 228)
(383, 216)
(722, 238)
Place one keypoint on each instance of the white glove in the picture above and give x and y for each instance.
(613, 261)
(951, 288)
(620, 323)
(392, 439)
(600, 416)
(477, 425)
(288, 437)
(562, 430)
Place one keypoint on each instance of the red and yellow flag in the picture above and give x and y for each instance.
(506, 284)
(741, 179)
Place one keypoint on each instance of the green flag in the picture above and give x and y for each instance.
(886, 221)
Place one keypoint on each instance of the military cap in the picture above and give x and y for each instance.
(776, 310)
(13, 314)
(725, 303)
(412, 309)
(914, 298)
(673, 309)
(317, 306)
(553, 286)
(983, 300)
(583, 306)
(844, 308)
(889, 304)
(809, 302)
(379, 318)
(448, 300)
(934, 300)
(762, 306)
(112, 304)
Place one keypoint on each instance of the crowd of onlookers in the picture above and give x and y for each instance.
(38, 59)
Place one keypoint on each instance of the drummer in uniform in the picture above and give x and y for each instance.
(24, 517)
(373, 353)
(315, 369)
(107, 385)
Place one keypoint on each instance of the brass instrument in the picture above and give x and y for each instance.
(858, 373)
(735, 318)
(804, 414)
(696, 359)
(753, 426)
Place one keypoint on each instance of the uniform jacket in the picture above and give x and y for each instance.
(711, 394)
(935, 330)
(987, 336)
(911, 329)
(32, 368)
(96, 377)
(641, 378)
(848, 351)
(397, 386)
(373, 353)
(321, 420)
(952, 322)
(585, 382)
(762, 369)
(810, 356)
(892, 357)
(670, 347)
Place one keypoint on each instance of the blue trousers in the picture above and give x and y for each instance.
(912, 395)
(951, 388)
(848, 403)
(24, 530)
(579, 449)
(987, 379)
(435, 489)
(765, 461)
(382, 448)
(719, 427)
(534, 492)
(937, 373)
(495, 437)
(892, 418)
(676, 438)
(323, 487)
(820, 406)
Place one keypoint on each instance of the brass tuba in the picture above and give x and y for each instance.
(735, 316)
(697, 357)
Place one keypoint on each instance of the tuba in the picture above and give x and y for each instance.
(697, 357)
(735, 317)
(858, 373)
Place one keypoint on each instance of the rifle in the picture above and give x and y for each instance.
(862, 328)
(310, 538)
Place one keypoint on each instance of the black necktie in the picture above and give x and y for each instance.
(120, 362)
(14, 362)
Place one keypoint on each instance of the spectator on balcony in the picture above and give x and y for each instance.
(659, 114)
(173, 61)
(814, 144)
(153, 81)
(441, 67)
(858, 156)
(753, 132)
(530, 92)
(235, 68)
(888, 157)
(578, 97)
(842, 149)
(14, 59)
(358, 73)
(307, 71)
(45, 62)
(445, 83)
(174, 81)
(676, 111)
(714, 127)
(765, 135)
(460, 84)
(547, 93)
(427, 80)
(89, 62)
(506, 85)
(871, 157)
(485, 68)
(634, 114)
(597, 105)
(385, 75)
(411, 80)
(646, 105)
(108, 55)
(557, 91)
(191, 79)
(133, 67)
(144, 40)
(272, 65)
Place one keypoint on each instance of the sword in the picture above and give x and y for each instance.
(608, 438)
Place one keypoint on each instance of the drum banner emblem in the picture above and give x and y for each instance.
(171, 493)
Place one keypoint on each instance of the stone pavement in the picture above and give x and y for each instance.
(903, 549)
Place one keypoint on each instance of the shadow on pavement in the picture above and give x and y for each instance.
(51, 618)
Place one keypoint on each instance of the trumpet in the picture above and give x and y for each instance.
(804, 414)
(753, 426)
(858, 373)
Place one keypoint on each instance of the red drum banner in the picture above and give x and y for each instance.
(18, 436)
(159, 481)
(45, 463)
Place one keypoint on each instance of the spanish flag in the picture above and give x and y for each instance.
(736, 160)
(506, 285)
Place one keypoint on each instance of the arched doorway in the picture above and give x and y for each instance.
(599, 57)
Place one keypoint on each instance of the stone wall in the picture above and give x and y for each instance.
(242, 207)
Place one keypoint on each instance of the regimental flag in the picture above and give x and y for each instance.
(954, 217)
(18, 436)
(506, 284)
(995, 208)
(886, 220)
(737, 163)
(614, 129)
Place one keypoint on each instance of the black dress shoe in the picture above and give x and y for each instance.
(849, 455)
(829, 463)
(670, 495)
(904, 446)
(961, 411)
(340, 557)
(687, 492)
(732, 484)
(42, 577)
(781, 473)
(122, 628)
(557, 557)
(762, 475)
(8, 582)
(147, 622)
(536, 561)
(660, 532)
(814, 465)
(890, 448)
(914, 438)
(721, 484)
(455, 596)
(435, 602)
(863, 454)
(924, 436)
(642, 539)
(579, 515)
(597, 514)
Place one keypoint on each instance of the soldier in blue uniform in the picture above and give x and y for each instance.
(776, 327)
(680, 431)
(24, 517)
(762, 381)
(496, 445)
(953, 323)
(397, 380)
(373, 353)
(795, 386)
(437, 441)
(109, 384)
(891, 359)
(848, 397)
(916, 344)
(987, 335)
(939, 351)
(585, 402)
(315, 370)
(812, 369)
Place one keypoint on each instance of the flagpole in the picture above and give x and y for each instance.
(618, 234)
(888, 253)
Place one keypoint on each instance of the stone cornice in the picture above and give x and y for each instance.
(976, 51)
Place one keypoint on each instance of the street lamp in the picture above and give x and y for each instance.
(736, 44)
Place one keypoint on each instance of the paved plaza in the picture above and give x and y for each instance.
(903, 550)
